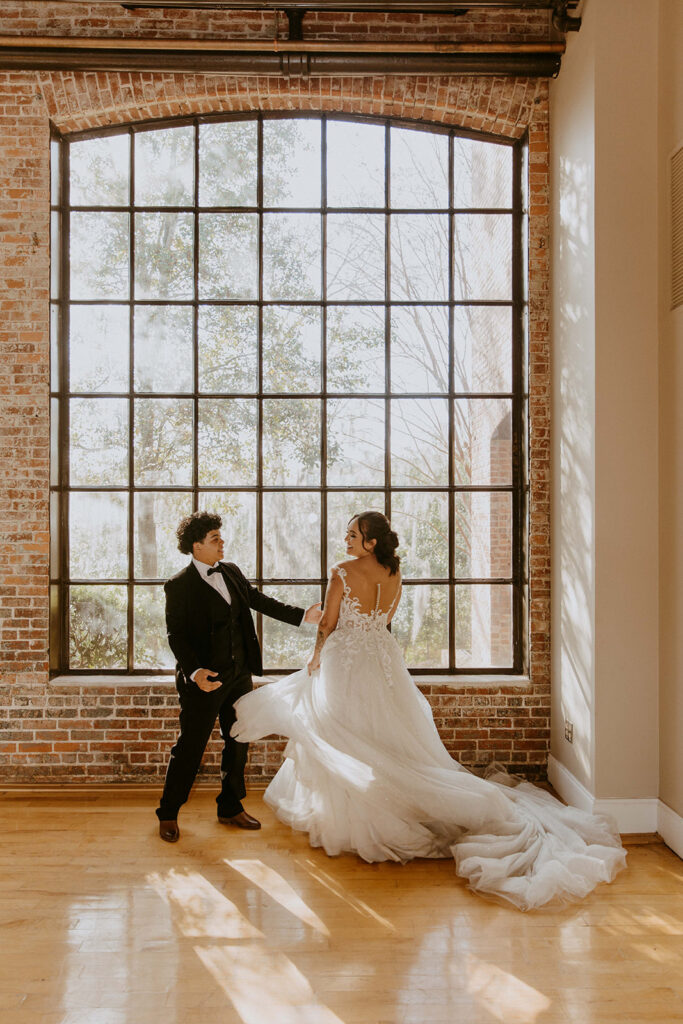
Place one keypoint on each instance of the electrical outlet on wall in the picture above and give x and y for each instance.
(568, 731)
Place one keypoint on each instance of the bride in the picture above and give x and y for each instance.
(365, 770)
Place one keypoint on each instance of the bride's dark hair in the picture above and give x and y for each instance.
(375, 526)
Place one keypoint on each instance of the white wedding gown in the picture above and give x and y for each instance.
(366, 772)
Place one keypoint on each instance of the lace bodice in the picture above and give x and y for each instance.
(350, 614)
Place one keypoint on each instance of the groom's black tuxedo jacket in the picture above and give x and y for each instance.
(198, 621)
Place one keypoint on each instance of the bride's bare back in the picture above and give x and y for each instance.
(372, 585)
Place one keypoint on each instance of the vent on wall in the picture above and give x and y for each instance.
(677, 229)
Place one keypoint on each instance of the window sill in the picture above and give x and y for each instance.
(479, 682)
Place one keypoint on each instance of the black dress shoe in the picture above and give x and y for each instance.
(169, 831)
(241, 820)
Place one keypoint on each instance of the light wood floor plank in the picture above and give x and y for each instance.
(102, 923)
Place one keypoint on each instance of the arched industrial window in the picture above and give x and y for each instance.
(288, 319)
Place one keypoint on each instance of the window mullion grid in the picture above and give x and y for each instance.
(517, 395)
(387, 321)
(64, 410)
(518, 476)
(130, 606)
(259, 400)
(195, 328)
(323, 355)
(451, 419)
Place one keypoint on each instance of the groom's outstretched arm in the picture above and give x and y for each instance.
(268, 605)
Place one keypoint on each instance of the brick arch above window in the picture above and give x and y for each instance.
(501, 106)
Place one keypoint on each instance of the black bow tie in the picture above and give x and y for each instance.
(214, 568)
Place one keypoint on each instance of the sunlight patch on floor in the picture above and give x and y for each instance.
(264, 985)
(274, 885)
(505, 997)
(200, 909)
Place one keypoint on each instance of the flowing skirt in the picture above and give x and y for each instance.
(366, 772)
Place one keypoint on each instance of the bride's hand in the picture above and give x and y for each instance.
(313, 614)
(313, 663)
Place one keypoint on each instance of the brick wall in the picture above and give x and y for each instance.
(44, 18)
(56, 732)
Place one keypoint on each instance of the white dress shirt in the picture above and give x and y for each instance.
(216, 581)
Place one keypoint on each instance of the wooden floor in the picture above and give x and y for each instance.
(102, 923)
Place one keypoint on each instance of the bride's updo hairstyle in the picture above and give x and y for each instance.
(375, 526)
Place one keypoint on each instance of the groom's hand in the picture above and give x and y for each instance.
(207, 680)
(313, 614)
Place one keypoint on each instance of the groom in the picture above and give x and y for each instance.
(211, 632)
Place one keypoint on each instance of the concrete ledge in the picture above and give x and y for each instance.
(484, 682)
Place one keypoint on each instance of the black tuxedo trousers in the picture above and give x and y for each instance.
(204, 631)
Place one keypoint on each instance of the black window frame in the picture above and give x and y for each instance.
(60, 305)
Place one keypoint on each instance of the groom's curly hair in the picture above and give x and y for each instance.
(193, 529)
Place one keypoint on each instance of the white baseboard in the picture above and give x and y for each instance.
(670, 828)
(648, 815)
(568, 786)
(630, 815)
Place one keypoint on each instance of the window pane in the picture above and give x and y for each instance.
(355, 348)
(238, 511)
(163, 441)
(55, 170)
(291, 441)
(99, 256)
(156, 546)
(421, 521)
(99, 171)
(227, 164)
(291, 534)
(420, 626)
(482, 343)
(99, 348)
(355, 164)
(355, 256)
(54, 348)
(151, 648)
(419, 442)
(291, 348)
(97, 627)
(98, 432)
(55, 251)
(286, 646)
(98, 536)
(163, 348)
(355, 442)
(164, 167)
(419, 349)
(291, 255)
(482, 256)
(482, 174)
(164, 245)
(227, 441)
(419, 256)
(483, 534)
(228, 256)
(419, 169)
(341, 507)
(482, 444)
(228, 348)
(55, 555)
(483, 626)
(291, 162)
(55, 453)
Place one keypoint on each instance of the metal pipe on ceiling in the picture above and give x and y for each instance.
(279, 57)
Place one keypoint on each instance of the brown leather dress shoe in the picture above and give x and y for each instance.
(169, 831)
(241, 820)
